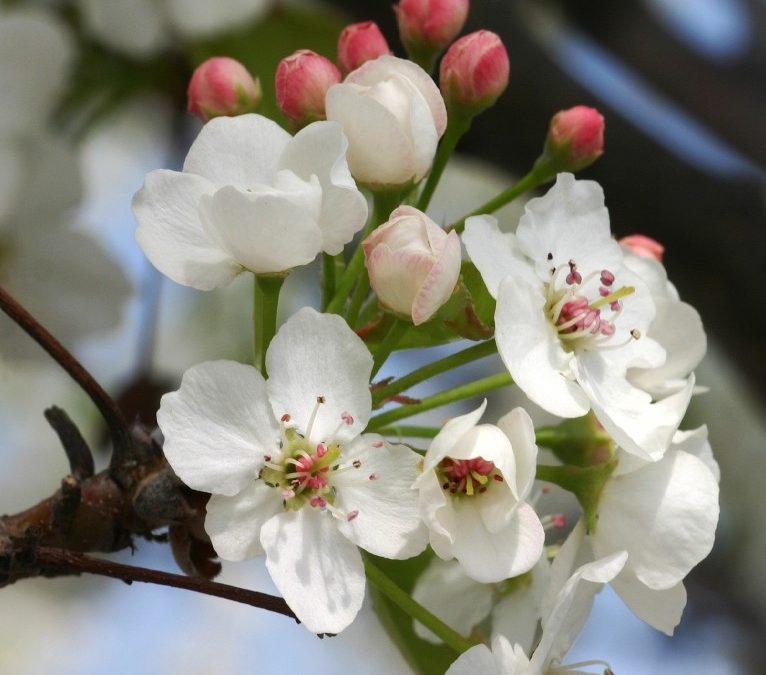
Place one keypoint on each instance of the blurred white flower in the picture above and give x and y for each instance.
(473, 490)
(571, 318)
(393, 116)
(290, 475)
(141, 28)
(250, 197)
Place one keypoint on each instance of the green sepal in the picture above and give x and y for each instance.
(580, 441)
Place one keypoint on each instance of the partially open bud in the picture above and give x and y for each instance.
(575, 138)
(644, 246)
(428, 26)
(474, 72)
(222, 86)
(301, 81)
(359, 43)
(413, 264)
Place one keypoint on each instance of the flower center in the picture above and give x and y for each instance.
(579, 320)
(467, 477)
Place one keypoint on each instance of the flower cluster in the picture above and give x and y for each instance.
(298, 467)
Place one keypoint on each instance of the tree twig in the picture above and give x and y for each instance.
(75, 446)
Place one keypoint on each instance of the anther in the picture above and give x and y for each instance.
(352, 515)
(357, 463)
(377, 444)
(317, 501)
(347, 418)
(321, 449)
(635, 334)
(286, 417)
(373, 476)
(607, 278)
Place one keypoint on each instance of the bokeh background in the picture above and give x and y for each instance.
(682, 84)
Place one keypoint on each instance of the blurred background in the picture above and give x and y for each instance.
(682, 84)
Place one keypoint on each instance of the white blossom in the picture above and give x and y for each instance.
(571, 318)
(473, 490)
(393, 115)
(250, 197)
(289, 474)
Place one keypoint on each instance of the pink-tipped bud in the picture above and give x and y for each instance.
(474, 72)
(575, 138)
(301, 81)
(429, 25)
(359, 43)
(222, 86)
(644, 246)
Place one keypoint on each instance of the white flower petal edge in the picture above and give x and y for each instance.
(244, 180)
(289, 475)
(472, 496)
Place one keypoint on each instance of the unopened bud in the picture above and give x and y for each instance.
(428, 26)
(474, 72)
(644, 246)
(359, 43)
(301, 81)
(222, 86)
(575, 138)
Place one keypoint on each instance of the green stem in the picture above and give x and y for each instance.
(457, 126)
(387, 587)
(388, 344)
(357, 298)
(406, 431)
(265, 316)
(472, 353)
(328, 278)
(384, 203)
(469, 390)
(540, 173)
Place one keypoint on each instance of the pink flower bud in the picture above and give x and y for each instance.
(301, 81)
(222, 86)
(413, 264)
(474, 72)
(575, 138)
(644, 246)
(430, 25)
(359, 43)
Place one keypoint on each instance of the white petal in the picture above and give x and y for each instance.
(476, 660)
(218, 426)
(445, 590)
(171, 235)
(320, 150)
(660, 609)
(264, 233)
(437, 513)
(520, 429)
(234, 523)
(316, 355)
(438, 285)
(490, 557)
(570, 222)
(696, 443)
(136, 28)
(532, 352)
(397, 275)
(388, 521)
(572, 607)
(242, 151)
(496, 254)
(444, 442)
(316, 569)
(664, 515)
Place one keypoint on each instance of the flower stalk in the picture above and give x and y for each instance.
(266, 301)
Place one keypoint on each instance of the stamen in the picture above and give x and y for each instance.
(574, 277)
(285, 418)
(352, 515)
(373, 476)
(317, 501)
(312, 419)
(607, 278)
(377, 444)
(347, 418)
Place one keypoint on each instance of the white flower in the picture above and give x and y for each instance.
(677, 327)
(571, 318)
(570, 608)
(413, 263)
(141, 28)
(249, 197)
(462, 603)
(289, 473)
(393, 115)
(664, 514)
(475, 480)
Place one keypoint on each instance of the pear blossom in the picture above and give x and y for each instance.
(413, 264)
(473, 490)
(289, 472)
(569, 609)
(393, 115)
(664, 514)
(572, 317)
(515, 605)
(677, 328)
(250, 197)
